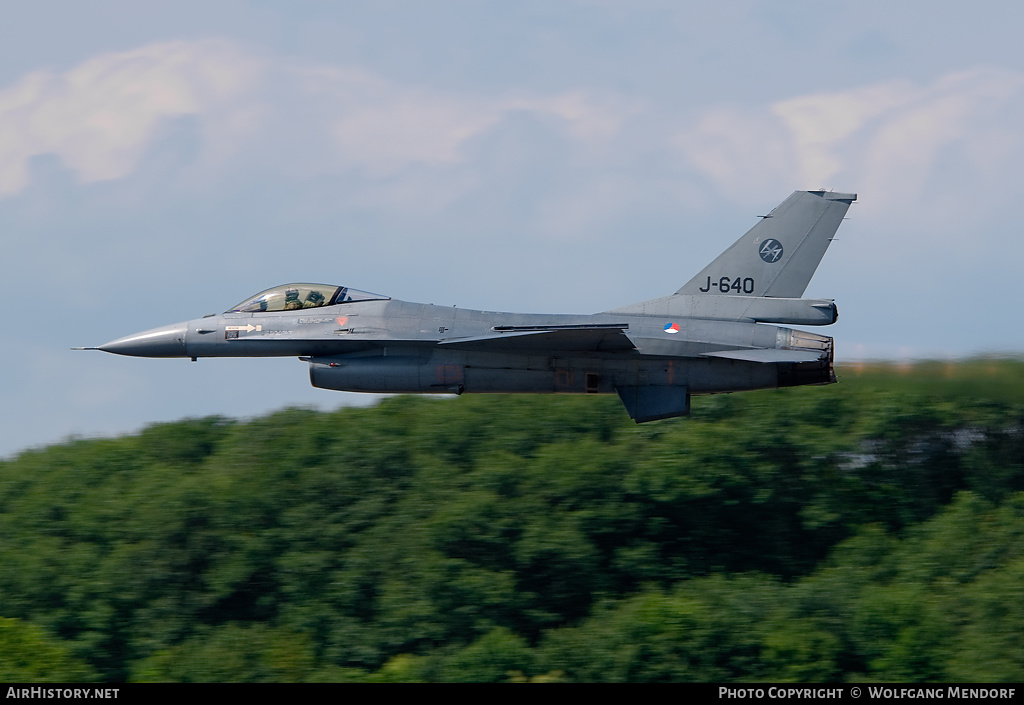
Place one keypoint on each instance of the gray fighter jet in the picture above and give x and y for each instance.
(717, 333)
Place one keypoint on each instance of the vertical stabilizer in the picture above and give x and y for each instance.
(778, 256)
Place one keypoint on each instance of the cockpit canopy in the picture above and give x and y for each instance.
(294, 297)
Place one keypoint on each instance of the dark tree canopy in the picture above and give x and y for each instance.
(872, 529)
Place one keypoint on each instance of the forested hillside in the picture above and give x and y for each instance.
(873, 529)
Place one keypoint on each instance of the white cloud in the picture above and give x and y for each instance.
(414, 148)
(819, 123)
(886, 139)
(382, 126)
(99, 116)
(959, 111)
(738, 151)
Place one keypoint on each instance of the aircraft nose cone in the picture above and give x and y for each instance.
(166, 341)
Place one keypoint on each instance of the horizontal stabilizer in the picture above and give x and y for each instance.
(650, 403)
(767, 355)
(581, 338)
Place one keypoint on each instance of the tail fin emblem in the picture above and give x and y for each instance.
(771, 250)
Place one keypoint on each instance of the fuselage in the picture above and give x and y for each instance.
(398, 346)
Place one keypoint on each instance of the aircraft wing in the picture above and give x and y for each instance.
(766, 355)
(571, 338)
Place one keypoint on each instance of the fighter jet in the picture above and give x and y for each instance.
(720, 332)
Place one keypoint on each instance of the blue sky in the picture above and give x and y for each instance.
(163, 160)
